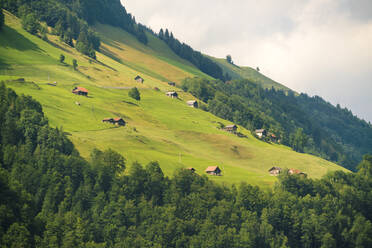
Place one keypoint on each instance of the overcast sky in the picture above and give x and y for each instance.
(320, 47)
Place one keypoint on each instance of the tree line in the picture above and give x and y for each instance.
(183, 50)
(307, 124)
(71, 20)
(52, 197)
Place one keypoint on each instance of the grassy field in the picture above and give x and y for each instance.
(240, 72)
(158, 128)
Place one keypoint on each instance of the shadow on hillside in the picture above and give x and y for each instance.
(3, 65)
(12, 39)
(113, 43)
(131, 103)
(109, 54)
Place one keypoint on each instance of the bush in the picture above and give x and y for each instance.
(135, 94)
(30, 23)
(74, 64)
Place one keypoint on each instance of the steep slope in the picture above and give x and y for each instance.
(158, 128)
(244, 72)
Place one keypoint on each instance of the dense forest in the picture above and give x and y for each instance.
(307, 124)
(1, 18)
(51, 197)
(71, 20)
(183, 50)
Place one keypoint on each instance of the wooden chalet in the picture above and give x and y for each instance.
(172, 83)
(296, 172)
(172, 94)
(139, 79)
(261, 133)
(231, 128)
(193, 104)
(273, 137)
(274, 171)
(213, 170)
(80, 91)
(117, 121)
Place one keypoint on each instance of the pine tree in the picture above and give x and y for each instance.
(1, 19)
(135, 94)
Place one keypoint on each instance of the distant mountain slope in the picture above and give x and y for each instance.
(244, 72)
(158, 128)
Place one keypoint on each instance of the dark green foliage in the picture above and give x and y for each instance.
(1, 18)
(134, 93)
(30, 23)
(183, 50)
(51, 197)
(61, 58)
(74, 64)
(229, 59)
(307, 124)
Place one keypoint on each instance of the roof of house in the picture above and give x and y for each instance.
(275, 168)
(171, 93)
(231, 126)
(295, 171)
(212, 168)
(81, 89)
(118, 119)
(260, 130)
(190, 168)
(192, 101)
(107, 119)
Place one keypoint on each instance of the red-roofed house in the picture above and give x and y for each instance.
(80, 91)
(213, 170)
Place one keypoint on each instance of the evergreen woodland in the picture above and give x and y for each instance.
(51, 197)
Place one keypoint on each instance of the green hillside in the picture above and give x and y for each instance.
(245, 72)
(158, 128)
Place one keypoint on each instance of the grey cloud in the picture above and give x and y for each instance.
(314, 46)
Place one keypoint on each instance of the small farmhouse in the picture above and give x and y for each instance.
(139, 79)
(80, 91)
(296, 172)
(231, 128)
(273, 137)
(274, 171)
(193, 104)
(172, 94)
(191, 169)
(261, 133)
(117, 121)
(213, 170)
(172, 83)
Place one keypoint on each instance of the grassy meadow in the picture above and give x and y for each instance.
(158, 128)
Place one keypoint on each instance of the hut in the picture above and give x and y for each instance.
(119, 121)
(172, 83)
(261, 133)
(172, 94)
(80, 91)
(273, 137)
(296, 172)
(274, 171)
(193, 104)
(213, 170)
(231, 128)
(139, 79)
